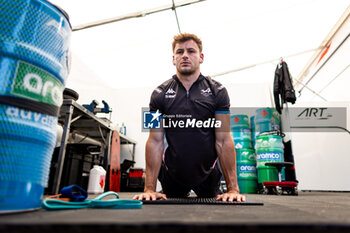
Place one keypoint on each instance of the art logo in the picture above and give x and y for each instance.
(316, 113)
(152, 120)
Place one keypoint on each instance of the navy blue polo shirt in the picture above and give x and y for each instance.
(191, 154)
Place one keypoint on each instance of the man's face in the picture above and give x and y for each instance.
(187, 57)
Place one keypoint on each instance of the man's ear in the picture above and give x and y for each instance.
(201, 58)
(174, 61)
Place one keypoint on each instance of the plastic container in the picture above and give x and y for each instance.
(97, 180)
(27, 141)
(246, 171)
(254, 133)
(240, 131)
(240, 127)
(246, 155)
(34, 65)
(266, 119)
(242, 143)
(35, 32)
(246, 176)
(269, 148)
(122, 129)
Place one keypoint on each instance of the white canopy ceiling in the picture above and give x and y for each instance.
(246, 38)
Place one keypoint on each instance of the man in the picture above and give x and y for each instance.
(196, 123)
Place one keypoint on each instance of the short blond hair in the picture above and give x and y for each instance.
(183, 37)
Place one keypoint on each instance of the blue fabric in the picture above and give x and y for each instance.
(74, 192)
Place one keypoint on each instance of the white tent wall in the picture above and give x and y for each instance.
(129, 104)
(87, 84)
(326, 74)
(322, 161)
(322, 158)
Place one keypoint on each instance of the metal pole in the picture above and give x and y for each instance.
(287, 142)
(62, 152)
(135, 15)
(177, 20)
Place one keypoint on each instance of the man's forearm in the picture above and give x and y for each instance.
(154, 151)
(227, 158)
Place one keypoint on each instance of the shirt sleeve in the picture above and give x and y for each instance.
(222, 101)
(156, 100)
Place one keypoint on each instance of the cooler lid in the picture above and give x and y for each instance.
(62, 11)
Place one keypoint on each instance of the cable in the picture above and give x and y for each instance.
(325, 62)
(341, 72)
(308, 88)
(135, 15)
(270, 61)
(262, 63)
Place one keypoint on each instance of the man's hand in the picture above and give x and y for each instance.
(230, 197)
(149, 196)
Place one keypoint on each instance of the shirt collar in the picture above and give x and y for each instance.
(200, 78)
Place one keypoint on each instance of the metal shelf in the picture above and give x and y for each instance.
(77, 119)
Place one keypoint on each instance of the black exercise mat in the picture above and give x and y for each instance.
(196, 200)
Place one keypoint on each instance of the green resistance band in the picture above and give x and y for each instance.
(116, 203)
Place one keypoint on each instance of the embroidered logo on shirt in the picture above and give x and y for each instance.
(170, 93)
(206, 92)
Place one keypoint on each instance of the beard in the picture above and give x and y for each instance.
(187, 71)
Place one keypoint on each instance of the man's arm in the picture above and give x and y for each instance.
(154, 152)
(227, 156)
